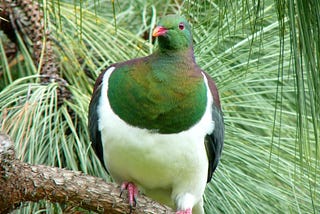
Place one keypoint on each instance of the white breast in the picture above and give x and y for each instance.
(164, 166)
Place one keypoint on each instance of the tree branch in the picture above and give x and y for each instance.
(22, 182)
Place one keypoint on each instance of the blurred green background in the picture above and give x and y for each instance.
(263, 54)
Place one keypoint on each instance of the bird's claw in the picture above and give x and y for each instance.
(187, 211)
(132, 193)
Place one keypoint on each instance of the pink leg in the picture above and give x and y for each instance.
(132, 192)
(187, 211)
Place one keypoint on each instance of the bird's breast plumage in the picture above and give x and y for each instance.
(157, 96)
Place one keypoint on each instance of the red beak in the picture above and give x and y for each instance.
(159, 31)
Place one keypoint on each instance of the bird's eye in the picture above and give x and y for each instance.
(181, 26)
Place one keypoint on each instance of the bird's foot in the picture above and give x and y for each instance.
(132, 193)
(187, 211)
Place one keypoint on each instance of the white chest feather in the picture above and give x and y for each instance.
(164, 166)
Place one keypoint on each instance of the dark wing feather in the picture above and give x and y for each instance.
(93, 121)
(214, 140)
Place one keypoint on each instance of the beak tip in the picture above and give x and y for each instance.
(154, 34)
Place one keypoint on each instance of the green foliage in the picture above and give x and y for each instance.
(264, 56)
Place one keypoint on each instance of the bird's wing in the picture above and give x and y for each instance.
(214, 140)
(93, 120)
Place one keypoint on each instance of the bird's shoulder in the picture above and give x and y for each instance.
(213, 89)
(124, 66)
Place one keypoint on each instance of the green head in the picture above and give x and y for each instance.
(174, 33)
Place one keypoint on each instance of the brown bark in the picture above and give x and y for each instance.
(21, 182)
